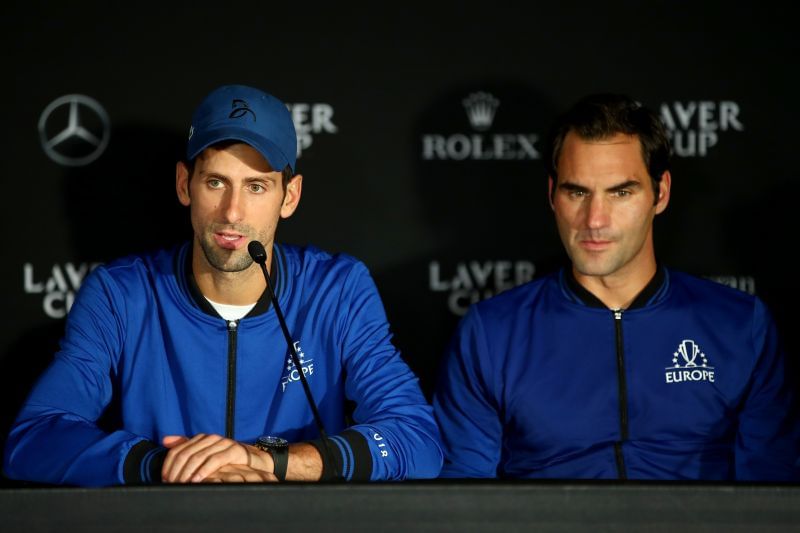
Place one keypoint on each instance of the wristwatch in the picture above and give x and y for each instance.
(278, 448)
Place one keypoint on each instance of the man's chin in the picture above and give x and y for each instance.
(235, 261)
(231, 268)
(592, 268)
(227, 260)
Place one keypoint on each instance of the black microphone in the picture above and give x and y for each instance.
(259, 255)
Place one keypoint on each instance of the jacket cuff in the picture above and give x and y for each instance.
(143, 463)
(349, 459)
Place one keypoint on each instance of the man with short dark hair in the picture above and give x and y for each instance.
(617, 367)
(183, 346)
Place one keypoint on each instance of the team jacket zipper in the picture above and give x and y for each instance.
(183, 270)
(623, 395)
(231, 403)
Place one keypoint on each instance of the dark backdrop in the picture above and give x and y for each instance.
(420, 130)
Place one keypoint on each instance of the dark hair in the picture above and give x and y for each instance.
(286, 174)
(600, 116)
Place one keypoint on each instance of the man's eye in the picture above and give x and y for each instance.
(257, 187)
(577, 194)
(215, 183)
(622, 192)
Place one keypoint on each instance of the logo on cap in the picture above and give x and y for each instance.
(240, 109)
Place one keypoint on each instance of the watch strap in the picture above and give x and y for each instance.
(280, 459)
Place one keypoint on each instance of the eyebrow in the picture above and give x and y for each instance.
(574, 187)
(249, 179)
(630, 184)
(266, 177)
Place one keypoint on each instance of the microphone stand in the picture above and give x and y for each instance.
(259, 255)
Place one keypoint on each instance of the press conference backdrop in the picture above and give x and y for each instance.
(419, 134)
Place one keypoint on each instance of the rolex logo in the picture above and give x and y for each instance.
(481, 108)
(481, 143)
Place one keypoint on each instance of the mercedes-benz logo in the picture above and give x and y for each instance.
(74, 130)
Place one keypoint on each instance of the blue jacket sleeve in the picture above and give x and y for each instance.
(465, 407)
(395, 436)
(768, 439)
(55, 438)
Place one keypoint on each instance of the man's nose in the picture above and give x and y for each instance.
(232, 205)
(597, 212)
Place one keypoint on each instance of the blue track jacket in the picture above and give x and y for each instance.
(143, 343)
(544, 381)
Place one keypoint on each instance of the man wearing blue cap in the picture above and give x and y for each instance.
(185, 348)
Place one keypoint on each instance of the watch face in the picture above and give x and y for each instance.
(269, 441)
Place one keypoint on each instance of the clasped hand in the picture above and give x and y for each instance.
(214, 459)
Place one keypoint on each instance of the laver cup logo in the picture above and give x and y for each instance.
(468, 282)
(689, 364)
(57, 285)
(695, 127)
(743, 283)
(74, 130)
(291, 373)
(311, 120)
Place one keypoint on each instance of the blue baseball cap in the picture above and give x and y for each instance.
(241, 113)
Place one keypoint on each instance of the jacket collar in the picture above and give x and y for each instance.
(185, 275)
(653, 291)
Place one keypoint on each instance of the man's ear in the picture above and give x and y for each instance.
(550, 186)
(664, 187)
(182, 183)
(294, 189)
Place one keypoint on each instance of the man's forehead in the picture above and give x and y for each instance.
(602, 163)
(614, 138)
(621, 150)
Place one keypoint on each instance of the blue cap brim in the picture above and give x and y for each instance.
(274, 156)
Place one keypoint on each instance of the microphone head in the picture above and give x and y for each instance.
(257, 252)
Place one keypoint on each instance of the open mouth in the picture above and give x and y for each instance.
(230, 241)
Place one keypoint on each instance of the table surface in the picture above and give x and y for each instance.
(418, 506)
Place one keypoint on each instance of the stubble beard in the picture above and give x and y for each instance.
(602, 263)
(589, 266)
(225, 260)
(609, 262)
